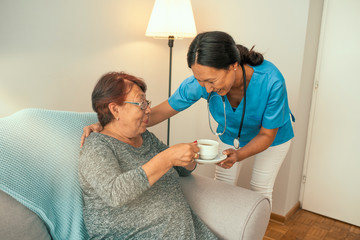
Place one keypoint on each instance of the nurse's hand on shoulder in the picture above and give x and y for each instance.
(96, 127)
(230, 160)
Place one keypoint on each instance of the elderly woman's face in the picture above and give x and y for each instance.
(133, 118)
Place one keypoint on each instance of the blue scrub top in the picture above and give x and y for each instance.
(266, 105)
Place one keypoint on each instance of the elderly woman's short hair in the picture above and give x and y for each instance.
(112, 87)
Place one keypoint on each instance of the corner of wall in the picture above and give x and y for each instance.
(304, 103)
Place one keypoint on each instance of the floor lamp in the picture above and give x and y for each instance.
(171, 19)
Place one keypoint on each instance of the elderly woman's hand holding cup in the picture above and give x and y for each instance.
(182, 155)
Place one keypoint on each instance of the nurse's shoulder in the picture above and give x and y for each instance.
(192, 89)
(269, 71)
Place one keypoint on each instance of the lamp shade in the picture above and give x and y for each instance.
(171, 18)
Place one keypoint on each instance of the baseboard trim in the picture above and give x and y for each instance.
(282, 219)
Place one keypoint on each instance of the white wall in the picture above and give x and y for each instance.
(53, 52)
(304, 100)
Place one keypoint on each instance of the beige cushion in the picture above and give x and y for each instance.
(18, 222)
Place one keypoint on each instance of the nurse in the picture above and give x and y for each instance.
(246, 96)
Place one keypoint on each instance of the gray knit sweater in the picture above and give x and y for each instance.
(118, 200)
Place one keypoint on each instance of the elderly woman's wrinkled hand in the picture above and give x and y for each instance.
(183, 154)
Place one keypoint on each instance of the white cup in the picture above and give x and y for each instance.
(209, 149)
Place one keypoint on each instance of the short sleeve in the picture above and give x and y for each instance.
(277, 109)
(187, 94)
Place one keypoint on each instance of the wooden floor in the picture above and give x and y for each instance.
(310, 226)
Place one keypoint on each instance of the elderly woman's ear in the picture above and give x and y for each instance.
(114, 109)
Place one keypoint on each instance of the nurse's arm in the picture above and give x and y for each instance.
(259, 143)
(160, 113)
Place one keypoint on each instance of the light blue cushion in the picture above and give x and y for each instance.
(39, 151)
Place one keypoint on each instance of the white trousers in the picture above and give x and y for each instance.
(266, 167)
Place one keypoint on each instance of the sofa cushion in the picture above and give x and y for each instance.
(18, 222)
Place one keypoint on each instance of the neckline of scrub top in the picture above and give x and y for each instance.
(241, 104)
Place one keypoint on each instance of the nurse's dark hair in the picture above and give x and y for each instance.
(112, 87)
(219, 50)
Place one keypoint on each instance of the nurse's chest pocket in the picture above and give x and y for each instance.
(253, 122)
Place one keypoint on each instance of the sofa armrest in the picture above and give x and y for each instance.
(231, 212)
(18, 222)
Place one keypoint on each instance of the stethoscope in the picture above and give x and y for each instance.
(236, 140)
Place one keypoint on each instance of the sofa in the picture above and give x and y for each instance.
(40, 197)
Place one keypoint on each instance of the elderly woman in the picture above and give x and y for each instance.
(129, 178)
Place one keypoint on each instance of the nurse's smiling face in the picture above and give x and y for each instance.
(213, 79)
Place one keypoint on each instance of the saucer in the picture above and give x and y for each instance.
(217, 159)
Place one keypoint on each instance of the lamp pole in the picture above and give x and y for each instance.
(171, 44)
(170, 19)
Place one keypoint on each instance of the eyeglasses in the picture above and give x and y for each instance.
(143, 105)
